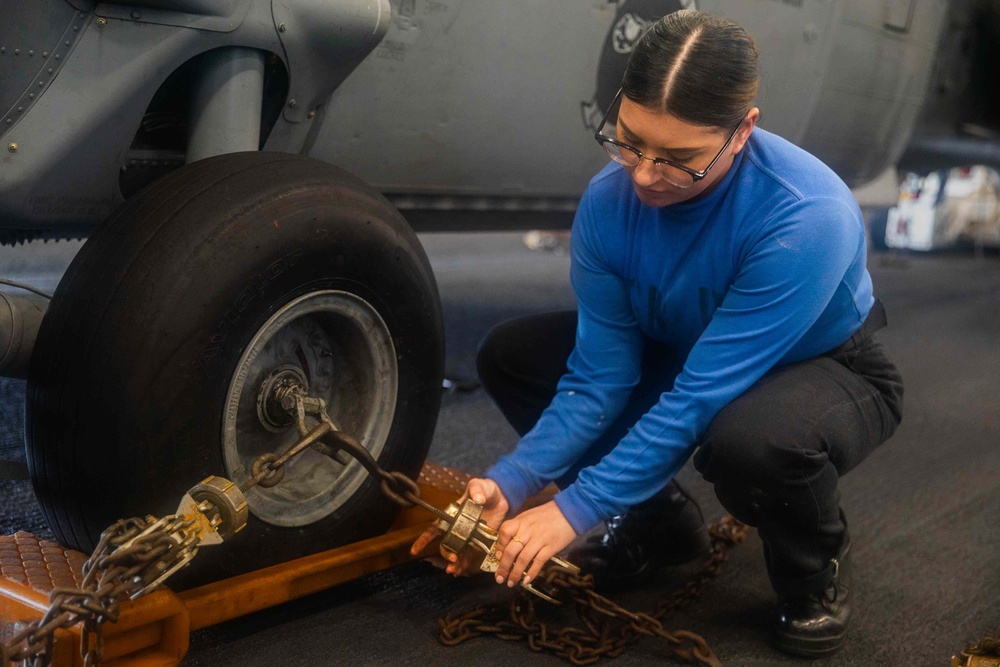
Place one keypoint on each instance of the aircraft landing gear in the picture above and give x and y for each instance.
(226, 275)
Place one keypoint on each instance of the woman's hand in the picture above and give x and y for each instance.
(529, 540)
(484, 492)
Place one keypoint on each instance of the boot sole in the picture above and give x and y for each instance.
(810, 647)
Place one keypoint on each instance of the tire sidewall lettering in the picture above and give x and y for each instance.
(254, 289)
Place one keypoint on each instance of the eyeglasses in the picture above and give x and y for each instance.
(676, 174)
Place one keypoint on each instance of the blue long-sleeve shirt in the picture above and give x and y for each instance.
(766, 270)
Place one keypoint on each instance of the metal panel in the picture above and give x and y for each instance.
(796, 41)
(204, 7)
(213, 15)
(489, 104)
(72, 146)
(474, 97)
(323, 43)
(874, 90)
(62, 163)
(29, 32)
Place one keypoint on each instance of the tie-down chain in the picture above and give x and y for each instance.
(608, 629)
(135, 556)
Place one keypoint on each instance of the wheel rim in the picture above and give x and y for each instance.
(340, 345)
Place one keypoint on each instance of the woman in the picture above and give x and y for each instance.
(723, 306)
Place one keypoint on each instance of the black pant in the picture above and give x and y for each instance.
(773, 455)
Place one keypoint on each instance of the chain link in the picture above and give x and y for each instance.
(327, 439)
(131, 558)
(608, 627)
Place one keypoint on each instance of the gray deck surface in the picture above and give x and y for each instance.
(923, 509)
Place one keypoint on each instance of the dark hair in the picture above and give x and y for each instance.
(695, 66)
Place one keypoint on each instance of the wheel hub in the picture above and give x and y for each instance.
(335, 345)
(275, 404)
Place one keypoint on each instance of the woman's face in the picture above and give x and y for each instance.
(660, 134)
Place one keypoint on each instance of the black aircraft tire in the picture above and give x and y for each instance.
(136, 361)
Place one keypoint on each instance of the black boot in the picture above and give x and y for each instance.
(667, 529)
(816, 625)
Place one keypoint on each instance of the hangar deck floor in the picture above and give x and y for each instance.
(923, 508)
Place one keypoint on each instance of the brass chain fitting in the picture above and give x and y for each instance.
(984, 653)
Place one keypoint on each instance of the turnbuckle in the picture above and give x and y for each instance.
(466, 530)
(210, 512)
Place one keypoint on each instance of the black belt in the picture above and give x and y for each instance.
(875, 321)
